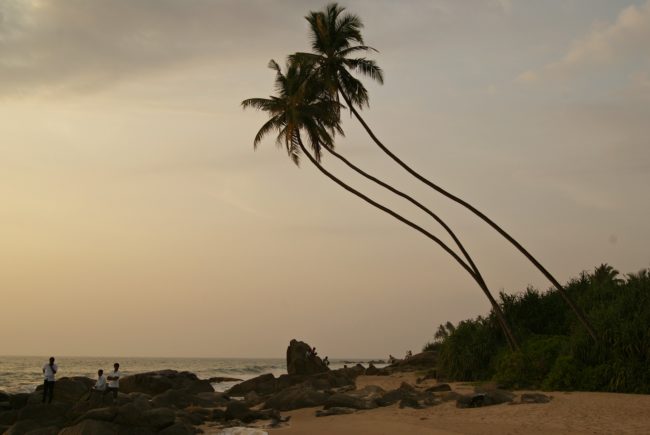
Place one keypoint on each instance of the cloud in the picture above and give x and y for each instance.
(78, 44)
(626, 40)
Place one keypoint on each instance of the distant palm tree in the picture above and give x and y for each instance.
(335, 37)
(302, 104)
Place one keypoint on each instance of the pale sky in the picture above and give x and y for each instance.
(136, 220)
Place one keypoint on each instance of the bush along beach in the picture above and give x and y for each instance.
(556, 353)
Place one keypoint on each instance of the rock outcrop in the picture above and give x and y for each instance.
(301, 360)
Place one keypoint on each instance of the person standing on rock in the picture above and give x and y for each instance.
(114, 380)
(49, 372)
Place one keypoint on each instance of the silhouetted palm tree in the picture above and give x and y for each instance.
(335, 37)
(302, 104)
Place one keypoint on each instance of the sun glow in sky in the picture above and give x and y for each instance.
(135, 218)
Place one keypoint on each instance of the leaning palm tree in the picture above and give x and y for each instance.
(304, 105)
(335, 37)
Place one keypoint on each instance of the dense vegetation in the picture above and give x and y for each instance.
(556, 351)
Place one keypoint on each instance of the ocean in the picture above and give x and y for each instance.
(23, 373)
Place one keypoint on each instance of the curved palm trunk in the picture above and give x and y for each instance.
(413, 225)
(581, 316)
(479, 277)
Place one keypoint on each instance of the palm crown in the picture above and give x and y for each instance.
(335, 39)
(301, 103)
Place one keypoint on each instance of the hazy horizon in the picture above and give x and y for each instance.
(136, 218)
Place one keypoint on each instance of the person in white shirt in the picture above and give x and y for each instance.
(114, 380)
(100, 385)
(49, 373)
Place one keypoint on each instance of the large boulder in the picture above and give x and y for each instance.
(45, 414)
(262, 385)
(405, 391)
(71, 389)
(485, 398)
(296, 397)
(158, 382)
(300, 360)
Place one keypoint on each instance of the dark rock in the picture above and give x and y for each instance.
(129, 415)
(252, 399)
(8, 417)
(18, 400)
(69, 389)
(4, 428)
(158, 382)
(5, 406)
(372, 370)
(45, 414)
(239, 411)
(99, 414)
(487, 398)
(334, 411)
(178, 429)
(262, 385)
(420, 361)
(159, 418)
(184, 416)
(410, 402)
(218, 415)
(22, 427)
(300, 361)
(90, 427)
(296, 397)
(439, 388)
(213, 399)
(4, 397)
(404, 391)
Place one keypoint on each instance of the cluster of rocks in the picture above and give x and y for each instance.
(165, 402)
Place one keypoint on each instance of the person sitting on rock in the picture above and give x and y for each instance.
(100, 385)
(409, 354)
(114, 380)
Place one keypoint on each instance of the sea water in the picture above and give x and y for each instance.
(24, 373)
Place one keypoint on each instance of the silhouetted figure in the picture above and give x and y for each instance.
(326, 361)
(409, 354)
(391, 359)
(114, 380)
(49, 372)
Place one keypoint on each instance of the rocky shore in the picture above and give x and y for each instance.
(169, 402)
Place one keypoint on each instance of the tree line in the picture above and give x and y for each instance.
(556, 352)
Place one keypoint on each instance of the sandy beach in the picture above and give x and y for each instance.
(567, 413)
